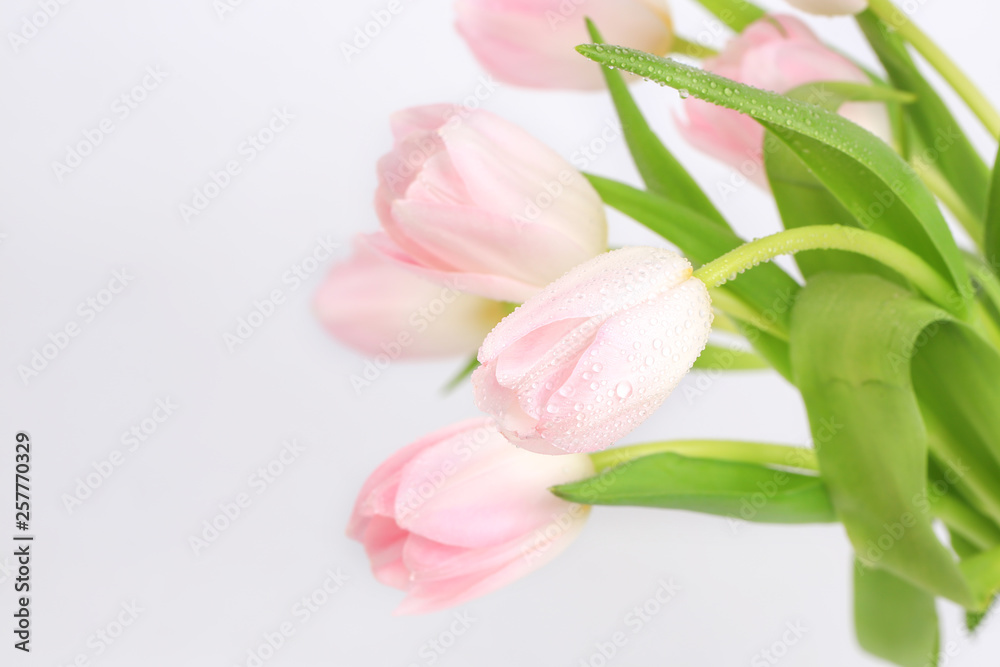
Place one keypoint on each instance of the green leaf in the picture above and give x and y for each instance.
(700, 238)
(717, 358)
(991, 245)
(831, 95)
(895, 620)
(933, 123)
(737, 14)
(852, 338)
(775, 350)
(461, 376)
(983, 573)
(955, 374)
(865, 175)
(962, 546)
(659, 169)
(974, 619)
(725, 488)
(795, 190)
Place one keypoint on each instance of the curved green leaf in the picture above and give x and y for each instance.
(659, 169)
(852, 339)
(461, 376)
(865, 175)
(991, 245)
(737, 14)
(895, 620)
(796, 190)
(717, 358)
(831, 95)
(726, 488)
(937, 131)
(983, 573)
(956, 376)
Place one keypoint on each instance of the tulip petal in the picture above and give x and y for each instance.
(510, 173)
(607, 284)
(370, 301)
(390, 470)
(590, 357)
(465, 194)
(531, 43)
(637, 360)
(384, 542)
(475, 490)
(489, 286)
(466, 239)
(425, 118)
(506, 563)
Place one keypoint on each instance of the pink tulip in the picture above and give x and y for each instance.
(777, 53)
(830, 7)
(531, 42)
(378, 308)
(592, 356)
(461, 513)
(475, 201)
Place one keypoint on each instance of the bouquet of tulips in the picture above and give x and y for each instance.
(889, 328)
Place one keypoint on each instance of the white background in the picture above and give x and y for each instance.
(163, 337)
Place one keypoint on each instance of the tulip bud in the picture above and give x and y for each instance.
(532, 42)
(594, 354)
(373, 305)
(830, 7)
(776, 53)
(476, 202)
(461, 513)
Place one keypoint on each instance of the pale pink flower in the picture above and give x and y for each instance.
(777, 53)
(531, 42)
(460, 513)
(587, 360)
(379, 308)
(474, 201)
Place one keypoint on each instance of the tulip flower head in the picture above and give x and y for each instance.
(776, 53)
(378, 308)
(584, 362)
(531, 42)
(461, 513)
(473, 201)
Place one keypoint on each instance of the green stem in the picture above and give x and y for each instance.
(729, 450)
(946, 67)
(686, 47)
(963, 519)
(832, 237)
